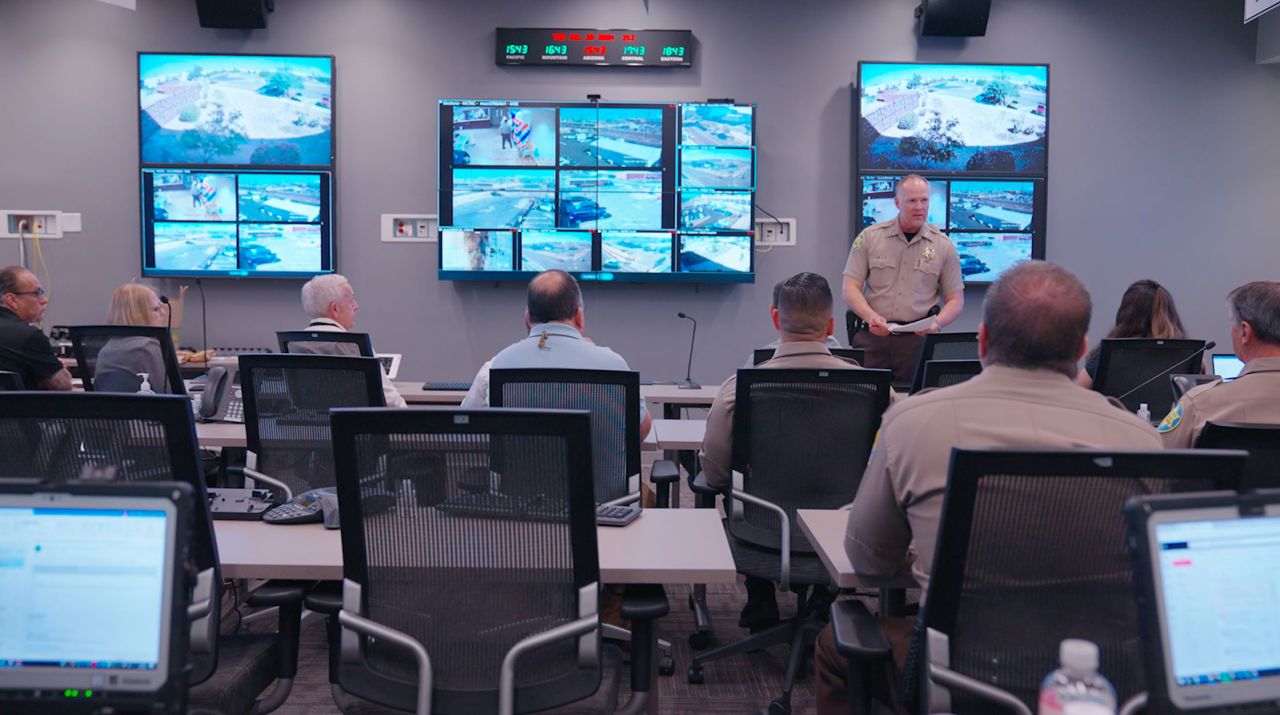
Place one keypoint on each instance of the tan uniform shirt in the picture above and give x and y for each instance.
(900, 499)
(904, 280)
(717, 446)
(1254, 396)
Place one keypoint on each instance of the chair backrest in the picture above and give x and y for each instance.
(944, 346)
(858, 355)
(286, 411)
(10, 381)
(321, 342)
(944, 373)
(1125, 363)
(1182, 384)
(1031, 550)
(110, 357)
(431, 562)
(611, 396)
(1262, 442)
(60, 437)
(801, 439)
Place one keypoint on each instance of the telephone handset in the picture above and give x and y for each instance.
(222, 401)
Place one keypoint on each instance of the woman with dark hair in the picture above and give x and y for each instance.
(1146, 311)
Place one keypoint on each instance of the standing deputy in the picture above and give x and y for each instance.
(896, 272)
(1254, 396)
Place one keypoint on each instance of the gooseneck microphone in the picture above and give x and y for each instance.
(168, 312)
(688, 383)
(1207, 346)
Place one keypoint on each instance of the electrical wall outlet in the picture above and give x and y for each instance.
(779, 232)
(45, 224)
(409, 228)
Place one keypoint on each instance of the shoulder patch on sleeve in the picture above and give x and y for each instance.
(857, 241)
(1171, 420)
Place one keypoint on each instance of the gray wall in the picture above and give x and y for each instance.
(1163, 159)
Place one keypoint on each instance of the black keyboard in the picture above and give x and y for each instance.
(506, 506)
(445, 385)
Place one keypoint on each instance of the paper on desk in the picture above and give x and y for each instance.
(921, 324)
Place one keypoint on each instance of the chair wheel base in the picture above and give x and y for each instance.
(695, 675)
(666, 664)
(699, 640)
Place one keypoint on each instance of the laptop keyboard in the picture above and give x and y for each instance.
(446, 385)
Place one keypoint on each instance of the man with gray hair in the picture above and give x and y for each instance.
(1254, 396)
(331, 304)
(1034, 321)
(24, 349)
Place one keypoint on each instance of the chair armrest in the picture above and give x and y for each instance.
(507, 681)
(856, 633)
(698, 483)
(203, 629)
(373, 629)
(325, 598)
(255, 474)
(784, 583)
(645, 603)
(664, 474)
(951, 679)
(278, 593)
(1134, 705)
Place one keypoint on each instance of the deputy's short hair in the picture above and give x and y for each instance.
(1258, 304)
(1036, 315)
(803, 302)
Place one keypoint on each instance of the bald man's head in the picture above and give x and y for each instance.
(1036, 315)
(553, 297)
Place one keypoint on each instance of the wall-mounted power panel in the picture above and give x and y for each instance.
(409, 228)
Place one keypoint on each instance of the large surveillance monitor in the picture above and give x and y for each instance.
(610, 192)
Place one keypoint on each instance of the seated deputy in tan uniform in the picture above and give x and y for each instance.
(801, 313)
(1254, 396)
(1035, 318)
(896, 272)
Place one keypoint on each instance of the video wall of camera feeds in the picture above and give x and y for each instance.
(608, 192)
(236, 164)
(979, 134)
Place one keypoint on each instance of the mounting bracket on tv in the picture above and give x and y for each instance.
(623, 192)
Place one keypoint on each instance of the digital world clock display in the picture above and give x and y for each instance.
(605, 48)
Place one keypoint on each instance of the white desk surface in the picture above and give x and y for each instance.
(229, 434)
(825, 530)
(665, 394)
(679, 434)
(662, 546)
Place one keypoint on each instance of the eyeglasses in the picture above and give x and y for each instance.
(38, 292)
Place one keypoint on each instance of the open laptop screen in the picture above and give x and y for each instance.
(87, 584)
(1227, 366)
(1218, 601)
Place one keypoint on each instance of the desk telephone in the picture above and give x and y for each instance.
(307, 508)
(222, 401)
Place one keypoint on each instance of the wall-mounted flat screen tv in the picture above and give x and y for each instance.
(636, 192)
(235, 110)
(953, 117)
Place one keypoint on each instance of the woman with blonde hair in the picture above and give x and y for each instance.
(121, 359)
(1146, 311)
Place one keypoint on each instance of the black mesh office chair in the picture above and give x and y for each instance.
(944, 346)
(801, 439)
(10, 381)
(446, 596)
(321, 342)
(1031, 550)
(944, 373)
(286, 412)
(1126, 363)
(60, 437)
(858, 355)
(1182, 384)
(106, 356)
(1262, 442)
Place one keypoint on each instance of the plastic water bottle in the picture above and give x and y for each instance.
(145, 387)
(1076, 687)
(1144, 412)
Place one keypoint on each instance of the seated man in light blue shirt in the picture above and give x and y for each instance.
(555, 318)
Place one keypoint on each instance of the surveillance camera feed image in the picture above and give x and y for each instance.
(195, 247)
(715, 252)
(992, 205)
(635, 251)
(293, 198)
(984, 256)
(716, 125)
(610, 136)
(464, 250)
(193, 196)
(280, 247)
(716, 167)
(235, 109)
(502, 198)
(610, 199)
(566, 250)
(711, 210)
(505, 135)
(989, 118)
(877, 200)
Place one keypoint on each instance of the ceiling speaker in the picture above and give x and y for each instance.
(954, 18)
(234, 14)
